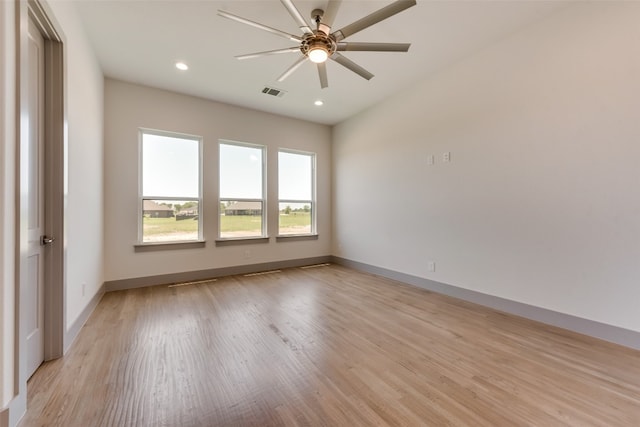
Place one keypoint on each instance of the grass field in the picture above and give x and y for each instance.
(295, 223)
(169, 229)
(241, 223)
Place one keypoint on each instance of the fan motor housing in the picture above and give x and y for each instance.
(317, 39)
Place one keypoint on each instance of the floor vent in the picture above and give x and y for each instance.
(273, 91)
(175, 285)
(262, 273)
(315, 266)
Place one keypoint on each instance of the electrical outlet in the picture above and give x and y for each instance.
(431, 266)
(430, 159)
(84, 286)
(446, 157)
(247, 254)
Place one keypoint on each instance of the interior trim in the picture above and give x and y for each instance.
(55, 157)
(4, 417)
(241, 241)
(168, 246)
(74, 329)
(603, 331)
(192, 276)
(41, 16)
(296, 237)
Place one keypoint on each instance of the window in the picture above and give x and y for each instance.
(170, 187)
(242, 202)
(296, 193)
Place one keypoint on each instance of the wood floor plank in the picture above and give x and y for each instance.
(326, 346)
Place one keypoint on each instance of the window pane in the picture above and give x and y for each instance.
(240, 172)
(169, 220)
(294, 176)
(294, 218)
(170, 166)
(240, 219)
(295, 193)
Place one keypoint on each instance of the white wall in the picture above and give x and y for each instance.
(84, 204)
(7, 199)
(540, 202)
(129, 107)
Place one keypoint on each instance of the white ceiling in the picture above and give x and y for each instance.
(140, 41)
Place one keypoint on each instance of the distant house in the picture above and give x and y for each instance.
(187, 213)
(155, 210)
(193, 211)
(244, 208)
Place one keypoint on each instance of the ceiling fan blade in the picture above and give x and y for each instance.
(373, 47)
(259, 26)
(322, 73)
(329, 16)
(373, 18)
(295, 13)
(291, 69)
(347, 63)
(268, 52)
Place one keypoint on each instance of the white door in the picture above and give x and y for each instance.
(34, 293)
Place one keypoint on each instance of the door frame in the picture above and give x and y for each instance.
(55, 180)
(55, 160)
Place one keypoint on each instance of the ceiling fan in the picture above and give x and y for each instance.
(321, 44)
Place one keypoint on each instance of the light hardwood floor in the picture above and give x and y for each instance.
(326, 346)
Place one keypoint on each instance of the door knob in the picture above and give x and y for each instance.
(45, 240)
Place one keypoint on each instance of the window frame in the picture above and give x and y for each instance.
(263, 200)
(312, 202)
(142, 197)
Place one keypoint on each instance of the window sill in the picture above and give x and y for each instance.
(168, 246)
(241, 241)
(296, 237)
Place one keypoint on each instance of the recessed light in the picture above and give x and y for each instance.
(182, 66)
(319, 103)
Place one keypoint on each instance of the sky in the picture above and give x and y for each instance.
(169, 166)
(170, 169)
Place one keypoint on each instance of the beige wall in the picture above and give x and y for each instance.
(129, 107)
(84, 204)
(540, 201)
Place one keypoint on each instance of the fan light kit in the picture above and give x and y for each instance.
(321, 44)
(318, 54)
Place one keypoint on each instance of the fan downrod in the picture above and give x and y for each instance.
(316, 15)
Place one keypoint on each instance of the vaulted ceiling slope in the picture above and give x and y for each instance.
(140, 42)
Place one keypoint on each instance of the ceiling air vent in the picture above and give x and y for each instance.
(273, 91)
